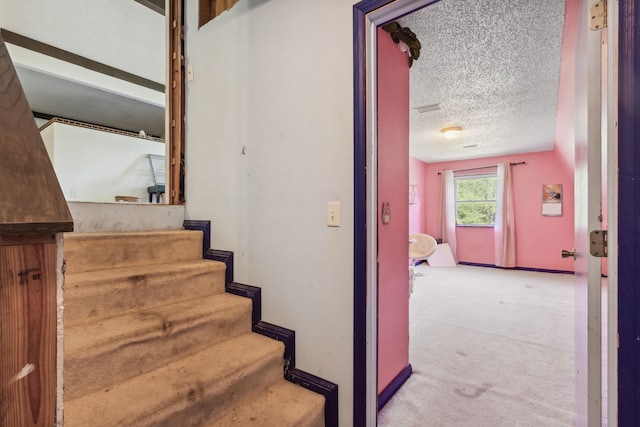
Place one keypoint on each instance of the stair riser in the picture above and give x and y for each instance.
(206, 411)
(191, 402)
(117, 296)
(97, 251)
(283, 404)
(150, 347)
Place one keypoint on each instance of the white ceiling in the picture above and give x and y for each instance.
(52, 95)
(493, 66)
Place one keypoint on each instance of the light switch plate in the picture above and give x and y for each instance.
(333, 214)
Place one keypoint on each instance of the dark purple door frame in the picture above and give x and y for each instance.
(360, 10)
(628, 218)
(360, 211)
(629, 215)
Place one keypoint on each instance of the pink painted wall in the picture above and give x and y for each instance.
(393, 186)
(417, 212)
(539, 239)
(565, 113)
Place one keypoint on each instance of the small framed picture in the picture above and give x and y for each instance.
(552, 200)
(413, 194)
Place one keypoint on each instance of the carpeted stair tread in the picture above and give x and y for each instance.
(99, 251)
(284, 405)
(183, 392)
(100, 294)
(152, 339)
(142, 341)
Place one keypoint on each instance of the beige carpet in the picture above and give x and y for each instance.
(151, 338)
(488, 347)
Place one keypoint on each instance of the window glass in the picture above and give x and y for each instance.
(476, 199)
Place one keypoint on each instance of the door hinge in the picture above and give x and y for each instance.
(598, 243)
(598, 15)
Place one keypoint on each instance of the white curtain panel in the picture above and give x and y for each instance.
(505, 229)
(448, 212)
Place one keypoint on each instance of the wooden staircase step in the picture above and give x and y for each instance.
(186, 392)
(98, 251)
(101, 294)
(96, 353)
(283, 404)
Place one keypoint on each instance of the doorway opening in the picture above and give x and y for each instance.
(366, 203)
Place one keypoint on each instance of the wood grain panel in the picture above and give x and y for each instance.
(31, 200)
(176, 104)
(28, 239)
(28, 335)
(72, 58)
(209, 9)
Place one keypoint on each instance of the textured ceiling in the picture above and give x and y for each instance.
(493, 67)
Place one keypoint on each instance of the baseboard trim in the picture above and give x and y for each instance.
(316, 384)
(304, 379)
(284, 335)
(223, 256)
(288, 337)
(539, 270)
(213, 254)
(248, 291)
(205, 227)
(394, 386)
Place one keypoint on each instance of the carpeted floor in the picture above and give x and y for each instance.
(489, 347)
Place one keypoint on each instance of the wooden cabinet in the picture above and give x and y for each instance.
(28, 330)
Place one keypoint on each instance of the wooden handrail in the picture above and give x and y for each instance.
(31, 200)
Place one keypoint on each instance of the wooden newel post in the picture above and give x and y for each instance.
(33, 212)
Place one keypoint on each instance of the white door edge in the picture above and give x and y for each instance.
(612, 214)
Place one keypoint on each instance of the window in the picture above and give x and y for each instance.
(476, 199)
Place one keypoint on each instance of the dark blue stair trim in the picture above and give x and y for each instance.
(223, 256)
(316, 384)
(213, 254)
(304, 379)
(284, 335)
(248, 291)
(539, 270)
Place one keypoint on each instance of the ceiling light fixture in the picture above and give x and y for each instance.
(452, 132)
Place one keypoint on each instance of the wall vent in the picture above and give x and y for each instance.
(427, 108)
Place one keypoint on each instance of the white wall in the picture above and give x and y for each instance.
(96, 166)
(276, 77)
(40, 122)
(116, 217)
(120, 33)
